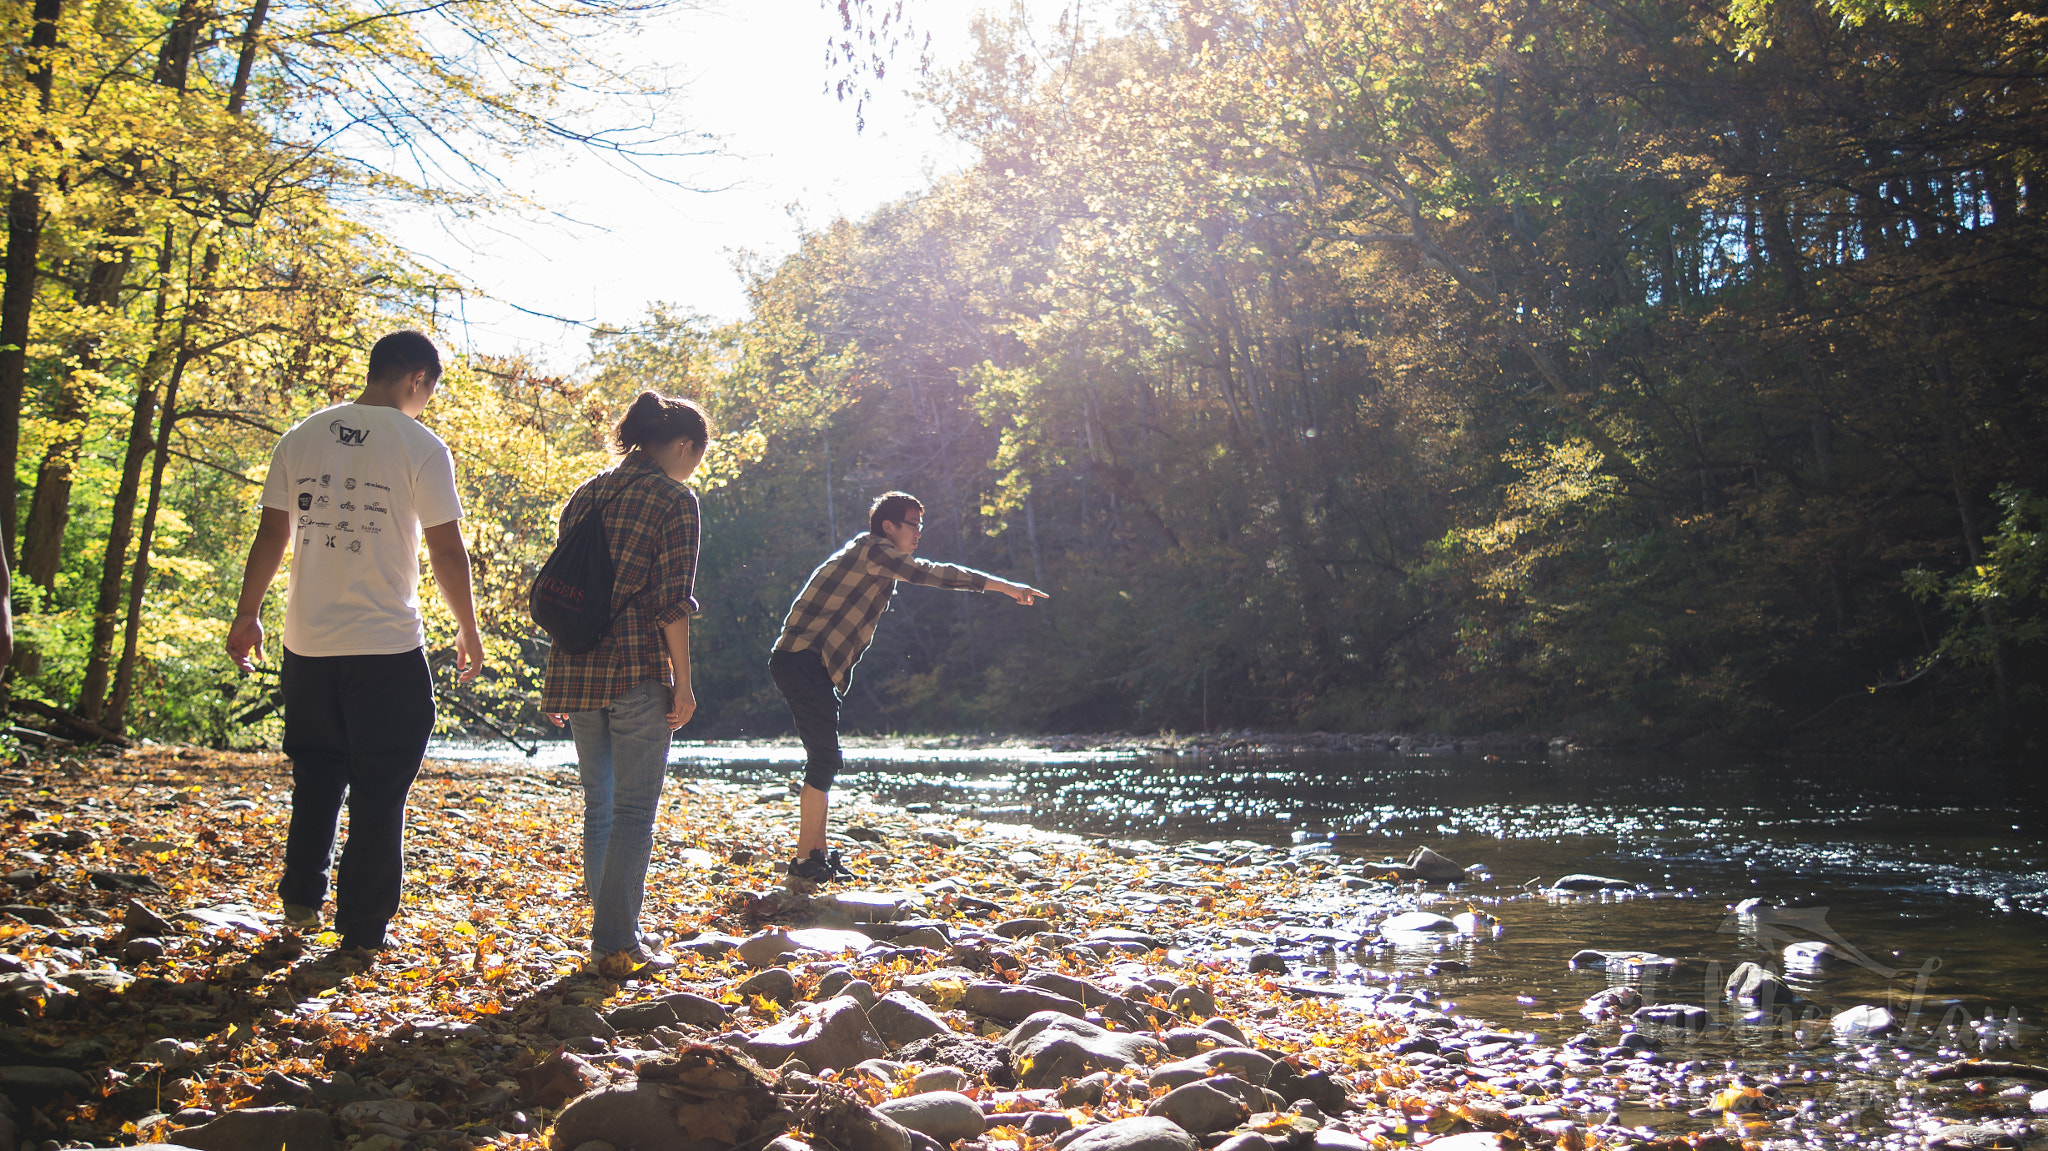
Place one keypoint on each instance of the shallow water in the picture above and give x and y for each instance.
(1936, 876)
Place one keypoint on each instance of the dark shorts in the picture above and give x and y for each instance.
(814, 704)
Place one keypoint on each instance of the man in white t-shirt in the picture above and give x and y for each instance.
(353, 490)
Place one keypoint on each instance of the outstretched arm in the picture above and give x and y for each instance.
(266, 555)
(449, 557)
(887, 561)
(1023, 593)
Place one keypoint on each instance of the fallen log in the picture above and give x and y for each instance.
(1985, 1069)
(85, 727)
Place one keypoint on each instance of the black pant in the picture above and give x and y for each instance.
(814, 704)
(355, 727)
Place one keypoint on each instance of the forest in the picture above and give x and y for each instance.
(1658, 371)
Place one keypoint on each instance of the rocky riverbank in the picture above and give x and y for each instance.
(977, 987)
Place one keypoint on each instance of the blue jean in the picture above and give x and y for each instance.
(622, 754)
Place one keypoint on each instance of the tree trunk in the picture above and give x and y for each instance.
(116, 715)
(120, 528)
(49, 513)
(18, 298)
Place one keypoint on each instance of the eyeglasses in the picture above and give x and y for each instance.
(913, 525)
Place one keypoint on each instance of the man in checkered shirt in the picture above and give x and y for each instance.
(827, 629)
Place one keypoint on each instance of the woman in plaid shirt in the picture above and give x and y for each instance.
(622, 698)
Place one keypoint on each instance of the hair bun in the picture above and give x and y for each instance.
(655, 418)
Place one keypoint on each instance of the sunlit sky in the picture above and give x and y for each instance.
(787, 155)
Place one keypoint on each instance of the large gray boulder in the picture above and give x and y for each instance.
(835, 1033)
(1079, 990)
(703, 1098)
(1014, 1004)
(1243, 1062)
(947, 1116)
(696, 1010)
(900, 1018)
(774, 983)
(982, 1059)
(261, 1129)
(1055, 1046)
(573, 1021)
(1200, 1108)
(1151, 1133)
(30, 1086)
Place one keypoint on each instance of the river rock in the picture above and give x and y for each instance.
(1266, 961)
(1014, 1004)
(1674, 1015)
(899, 1019)
(1125, 939)
(765, 947)
(1054, 1046)
(939, 1079)
(831, 940)
(874, 906)
(137, 920)
(775, 983)
(1294, 1085)
(1754, 984)
(835, 1033)
(1863, 1021)
(1612, 1003)
(1151, 1133)
(1464, 1141)
(641, 1016)
(35, 1086)
(1591, 883)
(843, 1122)
(1019, 928)
(572, 1021)
(1079, 990)
(984, 1059)
(1416, 923)
(1973, 1137)
(1200, 1108)
(1618, 960)
(696, 1010)
(1810, 955)
(703, 1098)
(947, 1116)
(1228, 1030)
(1252, 1066)
(261, 1129)
(402, 1113)
(935, 985)
(1193, 1002)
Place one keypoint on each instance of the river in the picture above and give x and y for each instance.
(1931, 878)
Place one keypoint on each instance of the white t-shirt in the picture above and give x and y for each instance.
(358, 481)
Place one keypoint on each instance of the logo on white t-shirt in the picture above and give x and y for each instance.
(348, 436)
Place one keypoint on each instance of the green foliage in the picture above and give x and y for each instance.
(2003, 600)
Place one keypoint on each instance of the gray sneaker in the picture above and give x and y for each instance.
(299, 917)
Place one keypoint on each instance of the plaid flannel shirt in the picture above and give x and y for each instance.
(652, 528)
(844, 599)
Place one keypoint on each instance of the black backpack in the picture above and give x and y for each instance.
(571, 598)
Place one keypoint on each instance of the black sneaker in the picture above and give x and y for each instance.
(815, 867)
(839, 870)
